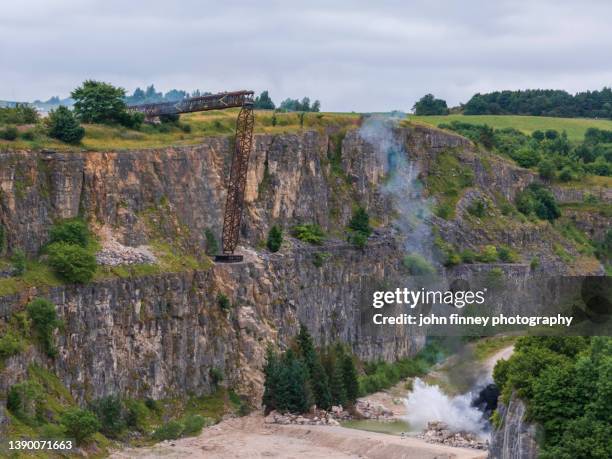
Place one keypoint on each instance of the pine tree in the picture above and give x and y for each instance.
(272, 381)
(338, 391)
(293, 394)
(316, 374)
(349, 374)
(275, 239)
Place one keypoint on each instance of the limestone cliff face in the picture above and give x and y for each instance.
(161, 335)
(515, 439)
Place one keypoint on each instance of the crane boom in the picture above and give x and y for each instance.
(240, 159)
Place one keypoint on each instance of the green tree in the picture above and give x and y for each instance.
(212, 247)
(112, 415)
(360, 221)
(316, 374)
(349, 376)
(337, 388)
(275, 238)
(271, 372)
(44, 320)
(71, 231)
(80, 424)
(99, 102)
(429, 105)
(264, 101)
(547, 169)
(293, 394)
(72, 262)
(63, 125)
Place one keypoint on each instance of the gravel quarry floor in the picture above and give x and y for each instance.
(250, 438)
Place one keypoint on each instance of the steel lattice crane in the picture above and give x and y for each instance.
(240, 159)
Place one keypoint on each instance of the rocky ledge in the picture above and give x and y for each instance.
(314, 418)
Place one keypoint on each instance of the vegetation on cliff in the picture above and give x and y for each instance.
(567, 384)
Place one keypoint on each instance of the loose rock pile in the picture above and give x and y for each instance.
(365, 409)
(315, 418)
(114, 254)
(438, 432)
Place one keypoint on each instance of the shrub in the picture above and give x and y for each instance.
(417, 265)
(212, 246)
(310, 232)
(477, 208)
(111, 413)
(72, 231)
(566, 174)
(193, 425)
(10, 344)
(2, 237)
(24, 400)
(80, 424)
(64, 126)
(547, 169)
(28, 135)
(359, 240)
(275, 239)
(216, 376)
(72, 262)
(19, 261)
(223, 301)
(170, 118)
(506, 255)
(20, 114)
(534, 263)
(9, 133)
(468, 256)
(488, 254)
(44, 320)
(360, 222)
(535, 199)
(136, 414)
(319, 258)
(169, 431)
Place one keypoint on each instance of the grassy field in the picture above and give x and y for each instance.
(575, 127)
(219, 122)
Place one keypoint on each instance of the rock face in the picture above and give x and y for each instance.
(158, 336)
(515, 439)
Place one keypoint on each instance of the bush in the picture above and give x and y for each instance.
(216, 376)
(72, 231)
(360, 222)
(9, 133)
(19, 261)
(10, 344)
(28, 135)
(72, 262)
(169, 431)
(547, 169)
(80, 424)
(417, 265)
(193, 425)
(488, 254)
(534, 263)
(20, 114)
(566, 174)
(44, 320)
(311, 233)
(212, 246)
(535, 199)
(64, 126)
(477, 208)
(468, 256)
(223, 301)
(24, 400)
(506, 255)
(112, 415)
(275, 239)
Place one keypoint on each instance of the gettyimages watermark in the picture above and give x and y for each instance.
(481, 306)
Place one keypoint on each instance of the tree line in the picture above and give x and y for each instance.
(303, 375)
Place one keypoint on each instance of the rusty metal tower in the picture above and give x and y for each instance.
(240, 158)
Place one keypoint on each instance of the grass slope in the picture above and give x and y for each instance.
(202, 124)
(575, 127)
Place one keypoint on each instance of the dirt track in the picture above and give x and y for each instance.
(249, 437)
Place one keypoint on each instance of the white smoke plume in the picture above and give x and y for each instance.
(428, 403)
(402, 185)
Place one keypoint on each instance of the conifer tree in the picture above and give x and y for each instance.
(338, 391)
(349, 374)
(316, 374)
(271, 383)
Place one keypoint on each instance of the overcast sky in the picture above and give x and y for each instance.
(352, 55)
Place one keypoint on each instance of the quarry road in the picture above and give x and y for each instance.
(249, 437)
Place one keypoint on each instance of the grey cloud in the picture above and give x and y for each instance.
(357, 55)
